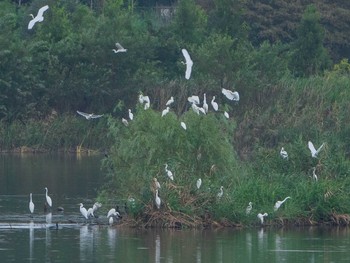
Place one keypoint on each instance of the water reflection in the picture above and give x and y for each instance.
(86, 243)
(31, 240)
(157, 250)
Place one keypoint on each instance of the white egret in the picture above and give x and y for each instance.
(220, 194)
(169, 173)
(89, 116)
(284, 153)
(110, 220)
(131, 116)
(193, 99)
(214, 104)
(156, 183)
(48, 198)
(226, 115)
(125, 122)
(83, 211)
(183, 125)
(119, 48)
(314, 152)
(199, 183)
(111, 212)
(96, 206)
(90, 212)
(205, 104)
(189, 63)
(166, 111)
(279, 203)
(157, 200)
(170, 101)
(249, 208)
(231, 95)
(197, 109)
(39, 17)
(31, 204)
(261, 217)
(314, 176)
(146, 100)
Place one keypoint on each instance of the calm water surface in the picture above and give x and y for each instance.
(71, 180)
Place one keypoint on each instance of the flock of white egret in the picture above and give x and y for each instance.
(86, 213)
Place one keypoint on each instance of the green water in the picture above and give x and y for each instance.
(71, 180)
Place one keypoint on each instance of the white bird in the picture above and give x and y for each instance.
(83, 211)
(125, 122)
(284, 153)
(249, 208)
(231, 95)
(261, 217)
(170, 101)
(279, 203)
(31, 204)
(314, 176)
(205, 104)
(89, 116)
(48, 198)
(119, 48)
(169, 173)
(157, 200)
(183, 125)
(165, 111)
(39, 17)
(199, 183)
(96, 206)
(111, 212)
(156, 183)
(189, 63)
(197, 109)
(314, 152)
(193, 99)
(90, 212)
(220, 194)
(226, 115)
(214, 104)
(131, 116)
(146, 100)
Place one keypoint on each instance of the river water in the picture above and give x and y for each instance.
(73, 179)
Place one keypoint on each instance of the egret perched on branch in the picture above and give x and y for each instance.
(197, 109)
(283, 153)
(220, 194)
(249, 208)
(170, 101)
(183, 125)
(48, 198)
(31, 204)
(314, 176)
(189, 63)
(131, 116)
(314, 152)
(83, 211)
(156, 184)
(89, 116)
(125, 122)
(166, 111)
(119, 48)
(39, 17)
(279, 203)
(261, 217)
(169, 173)
(157, 200)
(214, 104)
(205, 104)
(231, 95)
(199, 183)
(146, 100)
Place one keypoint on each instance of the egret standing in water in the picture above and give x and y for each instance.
(314, 152)
(39, 17)
(157, 200)
(249, 208)
(214, 104)
(188, 63)
(31, 204)
(83, 211)
(279, 203)
(261, 217)
(48, 198)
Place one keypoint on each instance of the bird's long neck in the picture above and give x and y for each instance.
(285, 199)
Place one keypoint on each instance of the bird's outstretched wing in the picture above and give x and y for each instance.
(189, 63)
(83, 114)
(93, 116)
(320, 148)
(119, 46)
(312, 148)
(42, 10)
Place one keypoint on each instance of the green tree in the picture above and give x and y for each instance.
(309, 55)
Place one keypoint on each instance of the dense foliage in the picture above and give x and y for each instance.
(280, 64)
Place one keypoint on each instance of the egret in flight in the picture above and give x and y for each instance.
(31, 204)
(214, 104)
(157, 200)
(119, 48)
(89, 116)
(83, 211)
(249, 208)
(131, 116)
(170, 101)
(231, 95)
(199, 183)
(39, 17)
(314, 152)
(279, 203)
(283, 153)
(48, 198)
(189, 63)
(166, 111)
(261, 217)
(183, 125)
